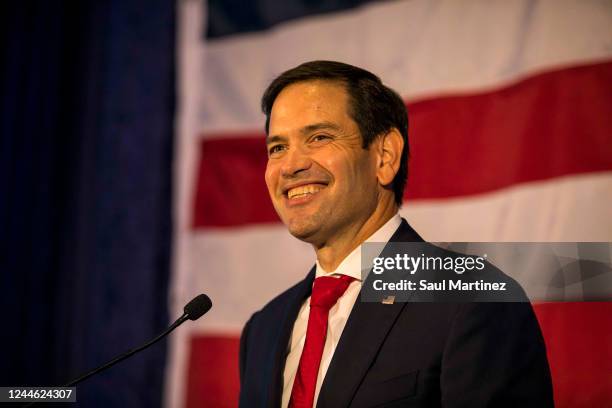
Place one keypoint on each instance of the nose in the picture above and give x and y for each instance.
(295, 161)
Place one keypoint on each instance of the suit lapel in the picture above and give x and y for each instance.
(366, 329)
(301, 292)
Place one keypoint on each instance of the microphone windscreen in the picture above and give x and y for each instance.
(197, 307)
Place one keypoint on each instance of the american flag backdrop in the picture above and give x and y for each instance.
(510, 106)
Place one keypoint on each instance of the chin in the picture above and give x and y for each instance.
(304, 231)
(301, 232)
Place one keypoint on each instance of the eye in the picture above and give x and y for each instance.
(320, 138)
(276, 149)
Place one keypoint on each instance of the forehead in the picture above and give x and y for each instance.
(303, 103)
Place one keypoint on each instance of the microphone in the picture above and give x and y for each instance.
(198, 306)
(195, 309)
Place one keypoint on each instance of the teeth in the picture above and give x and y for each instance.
(303, 190)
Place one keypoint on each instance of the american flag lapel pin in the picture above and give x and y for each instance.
(388, 300)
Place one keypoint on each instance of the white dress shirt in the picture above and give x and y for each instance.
(338, 314)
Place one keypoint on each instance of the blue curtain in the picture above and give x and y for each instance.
(86, 136)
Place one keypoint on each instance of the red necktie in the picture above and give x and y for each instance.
(325, 293)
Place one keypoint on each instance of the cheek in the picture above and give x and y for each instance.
(342, 162)
(335, 162)
(271, 177)
(358, 171)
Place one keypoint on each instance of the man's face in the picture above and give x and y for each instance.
(321, 180)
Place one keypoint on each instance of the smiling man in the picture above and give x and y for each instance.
(337, 142)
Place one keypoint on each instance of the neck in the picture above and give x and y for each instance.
(332, 252)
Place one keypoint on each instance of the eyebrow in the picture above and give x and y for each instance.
(305, 130)
(275, 139)
(319, 126)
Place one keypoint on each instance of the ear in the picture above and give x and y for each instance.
(389, 149)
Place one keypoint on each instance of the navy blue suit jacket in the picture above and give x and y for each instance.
(406, 354)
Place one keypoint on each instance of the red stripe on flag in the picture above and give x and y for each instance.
(212, 376)
(231, 189)
(549, 125)
(579, 344)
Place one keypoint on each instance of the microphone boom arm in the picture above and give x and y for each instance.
(128, 353)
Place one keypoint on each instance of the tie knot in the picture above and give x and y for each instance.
(327, 289)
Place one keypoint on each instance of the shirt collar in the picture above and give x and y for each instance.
(351, 265)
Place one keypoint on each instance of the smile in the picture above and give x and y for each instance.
(303, 191)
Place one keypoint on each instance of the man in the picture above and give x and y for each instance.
(337, 142)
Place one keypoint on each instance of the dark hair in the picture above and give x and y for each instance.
(374, 107)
